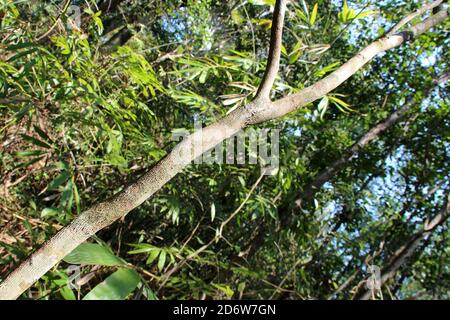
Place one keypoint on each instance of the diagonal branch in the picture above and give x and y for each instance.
(287, 213)
(261, 109)
(273, 60)
(399, 258)
(310, 189)
(293, 102)
(413, 15)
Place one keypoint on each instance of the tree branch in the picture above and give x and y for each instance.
(318, 181)
(413, 15)
(291, 103)
(286, 213)
(105, 213)
(404, 252)
(273, 61)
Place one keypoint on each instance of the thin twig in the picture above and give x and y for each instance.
(167, 275)
(64, 10)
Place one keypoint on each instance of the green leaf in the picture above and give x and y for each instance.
(93, 254)
(42, 134)
(67, 293)
(343, 106)
(266, 23)
(50, 212)
(313, 17)
(142, 248)
(346, 11)
(323, 106)
(242, 181)
(116, 287)
(225, 289)
(366, 14)
(263, 2)
(231, 101)
(76, 198)
(28, 163)
(99, 24)
(59, 180)
(153, 255)
(22, 45)
(148, 293)
(294, 57)
(237, 17)
(22, 154)
(339, 101)
(162, 260)
(305, 7)
(301, 15)
(203, 75)
(67, 195)
(296, 52)
(35, 141)
(323, 71)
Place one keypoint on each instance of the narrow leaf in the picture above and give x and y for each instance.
(35, 141)
(313, 17)
(116, 287)
(153, 255)
(93, 254)
(59, 180)
(162, 260)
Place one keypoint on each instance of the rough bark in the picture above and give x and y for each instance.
(261, 109)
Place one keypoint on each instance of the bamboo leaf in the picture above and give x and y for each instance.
(59, 180)
(30, 153)
(35, 141)
(323, 106)
(162, 260)
(93, 254)
(313, 17)
(153, 255)
(116, 287)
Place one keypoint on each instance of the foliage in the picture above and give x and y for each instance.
(86, 110)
